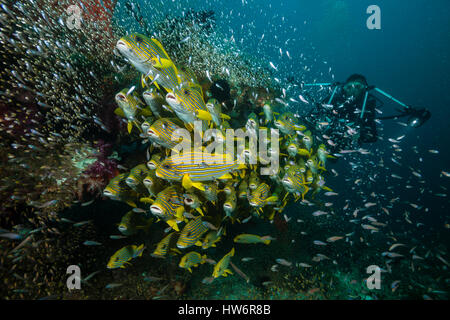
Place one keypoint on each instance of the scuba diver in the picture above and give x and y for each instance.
(347, 117)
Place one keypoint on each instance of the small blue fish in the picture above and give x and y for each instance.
(91, 243)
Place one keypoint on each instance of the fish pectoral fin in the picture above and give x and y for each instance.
(228, 271)
(188, 183)
(131, 203)
(172, 223)
(226, 176)
(146, 112)
(199, 243)
(162, 63)
(204, 115)
(190, 127)
(143, 83)
(199, 211)
(119, 112)
(190, 270)
(225, 116)
(129, 126)
(179, 212)
(271, 199)
(176, 250)
(146, 200)
(303, 152)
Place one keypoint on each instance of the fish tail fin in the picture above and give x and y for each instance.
(140, 250)
(266, 239)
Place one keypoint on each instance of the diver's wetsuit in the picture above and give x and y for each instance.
(344, 127)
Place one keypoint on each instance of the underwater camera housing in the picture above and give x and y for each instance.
(417, 117)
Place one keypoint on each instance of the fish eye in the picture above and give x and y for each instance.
(139, 39)
(166, 166)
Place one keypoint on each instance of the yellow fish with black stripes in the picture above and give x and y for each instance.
(192, 259)
(118, 189)
(166, 245)
(130, 106)
(259, 197)
(192, 233)
(122, 257)
(150, 58)
(221, 267)
(162, 130)
(294, 181)
(192, 167)
(168, 206)
(187, 102)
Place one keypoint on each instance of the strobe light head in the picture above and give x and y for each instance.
(418, 117)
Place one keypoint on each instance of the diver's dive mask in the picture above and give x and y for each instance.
(354, 89)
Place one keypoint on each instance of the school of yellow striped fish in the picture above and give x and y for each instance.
(54, 87)
(196, 200)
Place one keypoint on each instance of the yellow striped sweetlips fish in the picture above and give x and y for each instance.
(188, 103)
(221, 268)
(168, 206)
(294, 181)
(150, 58)
(161, 131)
(118, 189)
(122, 257)
(286, 124)
(191, 233)
(135, 179)
(166, 245)
(152, 183)
(130, 106)
(259, 197)
(194, 166)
